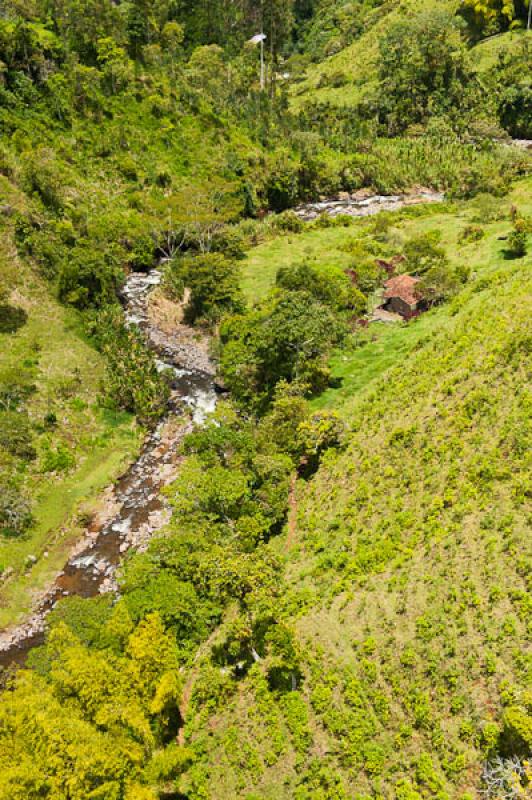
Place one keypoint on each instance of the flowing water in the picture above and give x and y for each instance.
(362, 205)
(136, 507)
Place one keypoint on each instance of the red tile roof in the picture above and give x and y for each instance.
(403, 286)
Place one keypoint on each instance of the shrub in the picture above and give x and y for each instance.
(442, 281)
(45, 177)
(230, 242)
(335, 291)
(15, 511)
(517, 731)
(282, 185)
(287, 337)
(16, 434)
(11, 319)
(88, 278)
(172, 283)
(323, 431)
(214, 286)
(56, 459)
(518, 240)
(423, 252)
(471, 233)
(132, 381)
(289, 411)
(286, 222)
(487, 208)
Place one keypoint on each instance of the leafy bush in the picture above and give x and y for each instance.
(518, 239)
(45, 176)
(322, 431)
(423, 252)
(282, 185)
(88, 278)
(286, 222)
(441, 281)
(11, 319)
(287, 337)
(230, 242)
(133, 381)
(213, 281)
(15, 511)
(56, 458)
(335, 291)
(16, 434)
(517, 244)
(471, 233)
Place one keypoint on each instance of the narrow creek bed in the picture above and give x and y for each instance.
(135, 507)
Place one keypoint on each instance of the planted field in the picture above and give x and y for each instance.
(406, 567)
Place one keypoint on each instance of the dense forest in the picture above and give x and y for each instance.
(334, 601)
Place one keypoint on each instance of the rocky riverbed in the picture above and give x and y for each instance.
(365, 204)
(135, 508)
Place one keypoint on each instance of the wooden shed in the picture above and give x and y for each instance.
(402, 296)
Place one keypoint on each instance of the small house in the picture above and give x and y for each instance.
(402, 296)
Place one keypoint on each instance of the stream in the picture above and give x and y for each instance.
(135, 507)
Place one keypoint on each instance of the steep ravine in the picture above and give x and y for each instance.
(135, 508)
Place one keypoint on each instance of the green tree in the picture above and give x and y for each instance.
(194, 214)
(288, 337)
(207, 72)
(213, 282)
(113, 62)
(336, 291)
(487, 17)
(277, 24)
(82, 23)
(424, 71)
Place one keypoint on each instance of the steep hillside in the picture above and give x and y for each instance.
(350, 75)
(348, 80)
(407, 562)
(313, 581)
(58, 446)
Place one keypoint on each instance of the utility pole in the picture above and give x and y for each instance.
(529, 24)
(260, 38)
(262, 73)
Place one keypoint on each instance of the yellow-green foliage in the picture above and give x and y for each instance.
(357, 63)
(89, 730)
(407, 580)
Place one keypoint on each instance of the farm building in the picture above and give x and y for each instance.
(402, 296)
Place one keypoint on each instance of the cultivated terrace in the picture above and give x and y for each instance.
(265, 410)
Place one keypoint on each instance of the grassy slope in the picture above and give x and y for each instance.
(68, 373)
(408, 567)
(357, 368)
(486, 54)
(358, 62)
